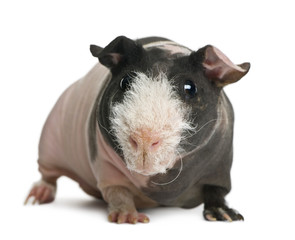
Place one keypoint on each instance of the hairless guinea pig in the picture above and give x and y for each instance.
(149, 125)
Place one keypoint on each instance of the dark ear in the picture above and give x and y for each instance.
(95, 50)
(118, 53)
(219, 67)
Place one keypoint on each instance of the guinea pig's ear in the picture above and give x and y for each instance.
(119, 52)
(95, 50)
(218, 67)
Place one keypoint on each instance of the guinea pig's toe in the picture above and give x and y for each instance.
(143, 218)
(122, 218)
(112, 217)
(209, 216)
(30, 200)
(222, 214)
(132, 218)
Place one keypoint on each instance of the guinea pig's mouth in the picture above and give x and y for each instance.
(150, 168)
(172, 175)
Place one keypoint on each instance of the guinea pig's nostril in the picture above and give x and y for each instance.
(133, 142)
(155, 145)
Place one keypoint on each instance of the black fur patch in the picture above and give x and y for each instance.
(92, 139)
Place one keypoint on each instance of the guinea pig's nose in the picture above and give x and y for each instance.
(147, 143)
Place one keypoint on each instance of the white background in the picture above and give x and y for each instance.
(44, 47)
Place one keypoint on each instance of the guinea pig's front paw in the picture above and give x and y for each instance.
(121, 206)
(222, 214)
(126, 217)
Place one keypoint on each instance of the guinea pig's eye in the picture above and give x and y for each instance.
(126, 81)
(190, 89)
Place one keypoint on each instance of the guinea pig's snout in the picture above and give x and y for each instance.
(146, 147)
(148, 124)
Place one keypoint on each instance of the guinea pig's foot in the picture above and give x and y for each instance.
(42, 192)
(222, 214)
(123, 217)
(121, 206)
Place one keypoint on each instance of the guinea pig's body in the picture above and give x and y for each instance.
(152, 127)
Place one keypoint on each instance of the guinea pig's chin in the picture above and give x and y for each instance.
(151, 170)
(145, 173)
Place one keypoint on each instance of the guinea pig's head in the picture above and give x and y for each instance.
(157, 98)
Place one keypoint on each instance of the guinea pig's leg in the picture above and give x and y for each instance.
(215, 207)
(121, 206)
(44, 190)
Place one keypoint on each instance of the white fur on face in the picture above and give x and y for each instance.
(149, 124)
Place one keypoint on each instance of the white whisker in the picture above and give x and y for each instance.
(109, 132)
(180, 170)
(195, 132)
(212, 120)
